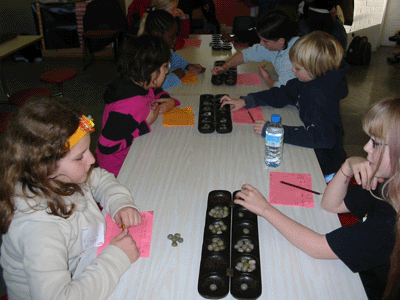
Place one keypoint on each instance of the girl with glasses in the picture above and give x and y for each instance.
(367, 246)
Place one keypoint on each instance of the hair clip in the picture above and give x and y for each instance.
(85, 125)
(150, 9)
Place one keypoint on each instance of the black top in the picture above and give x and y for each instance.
(318, 104)
(369, 244)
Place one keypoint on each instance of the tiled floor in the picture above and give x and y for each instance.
(366, 85)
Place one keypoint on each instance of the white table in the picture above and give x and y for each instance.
(171, 171)
(205, 56)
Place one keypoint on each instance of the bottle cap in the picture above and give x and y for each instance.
(275, 118)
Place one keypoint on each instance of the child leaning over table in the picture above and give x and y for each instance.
(48, 213)
(365, 247)
(161, 23)
(277, 34)
(320, 84)
(134, 100)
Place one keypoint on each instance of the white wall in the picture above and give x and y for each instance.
(391, 21)
(376, 19)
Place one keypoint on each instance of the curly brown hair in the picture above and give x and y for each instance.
(36, 138)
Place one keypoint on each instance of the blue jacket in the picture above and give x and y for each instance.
(177, 62)
(318, 104)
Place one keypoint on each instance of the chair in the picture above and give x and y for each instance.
(6, 112)
(20, 97)
(242, 28)
(203, 19)
(104, 23)
(58, 76)
(242, 23)
(97, 40)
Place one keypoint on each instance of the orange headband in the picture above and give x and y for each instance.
(85, 125)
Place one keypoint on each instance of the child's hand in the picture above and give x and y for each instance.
(252, 199)
(196, 68)
(226, 37)
(179, 13)
(153, 114)
(237, 103)
(218, 70)
(129, 216)
(127, 244)
(362, 171)
(165, 104)
(180, 73)
(263, 72)
(258, 126)
(265, 75)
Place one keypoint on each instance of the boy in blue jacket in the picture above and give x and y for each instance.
(319, 85)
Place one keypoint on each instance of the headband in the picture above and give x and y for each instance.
(85, 125)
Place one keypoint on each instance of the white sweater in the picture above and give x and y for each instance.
(40, 252)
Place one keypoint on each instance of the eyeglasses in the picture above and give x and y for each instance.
(374, 143)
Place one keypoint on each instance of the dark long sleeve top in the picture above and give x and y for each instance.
(318, 104)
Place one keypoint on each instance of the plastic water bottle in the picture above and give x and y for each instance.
(274, 142)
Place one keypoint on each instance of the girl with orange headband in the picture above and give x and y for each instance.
(49, 217)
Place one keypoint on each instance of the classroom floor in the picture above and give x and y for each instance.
(366, 85)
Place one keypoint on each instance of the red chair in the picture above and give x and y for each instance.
(58, 76)
(348, 219)
(19, 98)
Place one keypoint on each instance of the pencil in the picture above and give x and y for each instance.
(251, 116)
(301, 188)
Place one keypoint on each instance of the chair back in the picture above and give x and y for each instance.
(243, 23)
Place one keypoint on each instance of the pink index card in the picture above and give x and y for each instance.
(248, 79)
(141, 234)
(192, 43)
(242, 116)
(282, 194)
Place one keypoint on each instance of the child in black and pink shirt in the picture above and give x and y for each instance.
(134, 100)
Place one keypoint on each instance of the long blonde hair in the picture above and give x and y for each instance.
(156, 4)
(383, 121)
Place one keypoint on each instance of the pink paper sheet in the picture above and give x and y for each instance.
(141, 233)
(242, 116)
(248, 79)
(192, 43)
(282, 194)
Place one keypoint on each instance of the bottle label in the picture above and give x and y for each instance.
(274, 140)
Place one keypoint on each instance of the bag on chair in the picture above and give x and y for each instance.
(359, 51)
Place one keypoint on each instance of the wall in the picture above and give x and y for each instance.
(376, 19)
(228, 9)
(391, 22)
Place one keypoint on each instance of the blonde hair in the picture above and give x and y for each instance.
(317, 52)
(156, 4)
(163, 4)
(383, 121)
